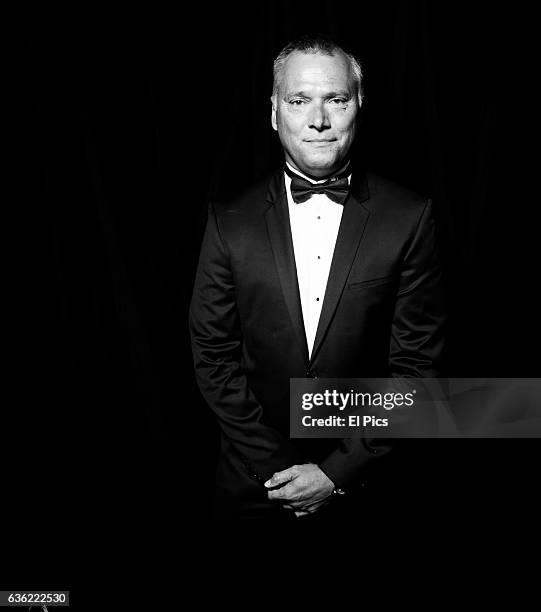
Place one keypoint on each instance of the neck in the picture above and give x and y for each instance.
(317, 179)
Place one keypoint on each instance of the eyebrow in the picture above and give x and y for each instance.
(332, 94)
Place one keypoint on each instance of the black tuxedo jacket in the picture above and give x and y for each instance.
(382, 316)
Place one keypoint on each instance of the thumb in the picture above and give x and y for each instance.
(280, 478)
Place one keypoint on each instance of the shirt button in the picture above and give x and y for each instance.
(317, 299)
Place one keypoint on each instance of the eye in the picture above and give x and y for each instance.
(296, 102)
(338, 101)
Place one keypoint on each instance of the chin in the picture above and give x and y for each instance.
(322, 166)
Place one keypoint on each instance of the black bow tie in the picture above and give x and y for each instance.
(336, 188)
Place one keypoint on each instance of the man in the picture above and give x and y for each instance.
(320, 271)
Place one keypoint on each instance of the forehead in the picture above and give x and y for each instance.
(316, 70)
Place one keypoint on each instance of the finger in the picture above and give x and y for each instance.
(296, 498)
(297, 504)
(287, 493)
(294, 505)
(280, 478)
(312, 507)
(300, 513)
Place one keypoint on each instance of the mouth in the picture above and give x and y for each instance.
(321, 142)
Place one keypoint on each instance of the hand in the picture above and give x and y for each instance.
(302, 488)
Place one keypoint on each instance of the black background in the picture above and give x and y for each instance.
(131, 123)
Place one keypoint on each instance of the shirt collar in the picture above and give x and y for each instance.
(312, 180)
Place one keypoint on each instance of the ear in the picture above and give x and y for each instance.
(273, 113)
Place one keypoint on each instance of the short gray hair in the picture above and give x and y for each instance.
(316, 44)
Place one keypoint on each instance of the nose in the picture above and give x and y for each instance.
(318, 118)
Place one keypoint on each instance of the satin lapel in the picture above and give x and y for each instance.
(350, 234)
(278, 226)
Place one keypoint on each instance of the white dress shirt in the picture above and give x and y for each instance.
(314, 228)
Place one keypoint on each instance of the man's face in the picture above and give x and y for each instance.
(314, 111)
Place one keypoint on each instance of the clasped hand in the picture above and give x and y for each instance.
(303, 488)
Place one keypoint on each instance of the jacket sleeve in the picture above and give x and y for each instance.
(216, 346)
(419, 318)
(416, 341)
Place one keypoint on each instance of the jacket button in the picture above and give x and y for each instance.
(311, 374)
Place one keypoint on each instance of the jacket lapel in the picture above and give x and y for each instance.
(278, 226)
(350, 234)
